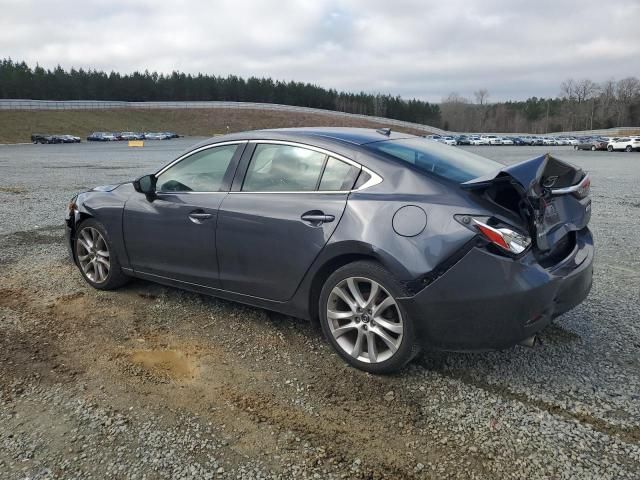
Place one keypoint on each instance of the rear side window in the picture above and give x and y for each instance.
(338, 176)
(200, 172)
(283, 168)
(444, 161)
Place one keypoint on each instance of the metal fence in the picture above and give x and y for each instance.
(24, 104)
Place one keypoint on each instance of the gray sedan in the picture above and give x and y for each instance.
(393, 243)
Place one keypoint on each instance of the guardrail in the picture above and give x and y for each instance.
(25, 104)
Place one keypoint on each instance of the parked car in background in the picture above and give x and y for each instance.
(448, 140)
(131, 136)
(591, 144)
(506, 141)
(172, 134)
(44, 138)
(519, 141)
(549, 141)
(463, 140)
(156, 136)
(102, 137)
(68, 138)
(478, 140)
(626, 144)
(381, 293)
(433, 138)
(492, 139)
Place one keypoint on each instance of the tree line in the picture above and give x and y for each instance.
(19, 80)
(580, 105)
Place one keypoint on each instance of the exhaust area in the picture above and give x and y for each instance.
(530, 341)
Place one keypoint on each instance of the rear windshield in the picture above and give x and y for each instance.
(438, 159)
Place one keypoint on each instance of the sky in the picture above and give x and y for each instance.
(414, 48)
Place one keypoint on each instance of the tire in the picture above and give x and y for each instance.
(629, 148)
(91, 263)
(610, 148)
(593, 148)
(350, 324)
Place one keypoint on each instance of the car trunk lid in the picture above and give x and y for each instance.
(551, 197)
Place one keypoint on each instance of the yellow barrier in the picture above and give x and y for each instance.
(136, 143)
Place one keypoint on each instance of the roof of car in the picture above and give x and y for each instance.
(354, 136)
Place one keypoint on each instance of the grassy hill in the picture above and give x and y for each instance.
(17, 126)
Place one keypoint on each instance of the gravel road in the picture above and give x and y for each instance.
(151, 382)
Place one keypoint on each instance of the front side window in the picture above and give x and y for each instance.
(203, 171)
(283, 168)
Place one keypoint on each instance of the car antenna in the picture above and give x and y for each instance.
(384, 131)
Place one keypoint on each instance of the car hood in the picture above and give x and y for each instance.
(107, 188)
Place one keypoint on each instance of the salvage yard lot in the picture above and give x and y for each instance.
(149, 380)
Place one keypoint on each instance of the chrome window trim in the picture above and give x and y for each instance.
(572, 188)
(374, 180)
(197, 150)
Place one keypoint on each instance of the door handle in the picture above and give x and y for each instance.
(316, 217)
(199, 216)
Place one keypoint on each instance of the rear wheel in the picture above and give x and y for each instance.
(629, 148)
(593, 148)
(95, 257)
(363, 321)
(610, 148)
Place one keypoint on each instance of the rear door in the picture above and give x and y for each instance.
(284, 205)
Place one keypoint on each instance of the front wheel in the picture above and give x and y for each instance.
(610, 148)
(629, 148)
(363, 321)
(95, 258)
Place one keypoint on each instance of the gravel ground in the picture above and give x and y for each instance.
(152, 382)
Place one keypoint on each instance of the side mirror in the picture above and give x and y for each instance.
(145, 184)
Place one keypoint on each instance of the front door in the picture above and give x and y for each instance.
(172, 234)
(272, 227)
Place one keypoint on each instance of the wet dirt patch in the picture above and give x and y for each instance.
(14, 190)
(165, 365)
(45, 236)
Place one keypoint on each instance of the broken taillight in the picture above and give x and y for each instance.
(503, 237)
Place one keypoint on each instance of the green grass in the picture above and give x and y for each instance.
(17, 126)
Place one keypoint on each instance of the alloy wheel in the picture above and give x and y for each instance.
(364, 319)
(93, 254)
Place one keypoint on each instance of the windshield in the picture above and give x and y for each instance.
(438, 159)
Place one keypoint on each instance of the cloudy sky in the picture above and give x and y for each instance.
(415, 48)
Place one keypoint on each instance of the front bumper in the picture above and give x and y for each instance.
(487, 302)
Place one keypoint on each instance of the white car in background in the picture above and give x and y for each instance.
(572, 141)
(448, 140)
(477, 140)
(492, 139)
(627, 144)
(506, 141)
(433, 138)
(549, 141)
